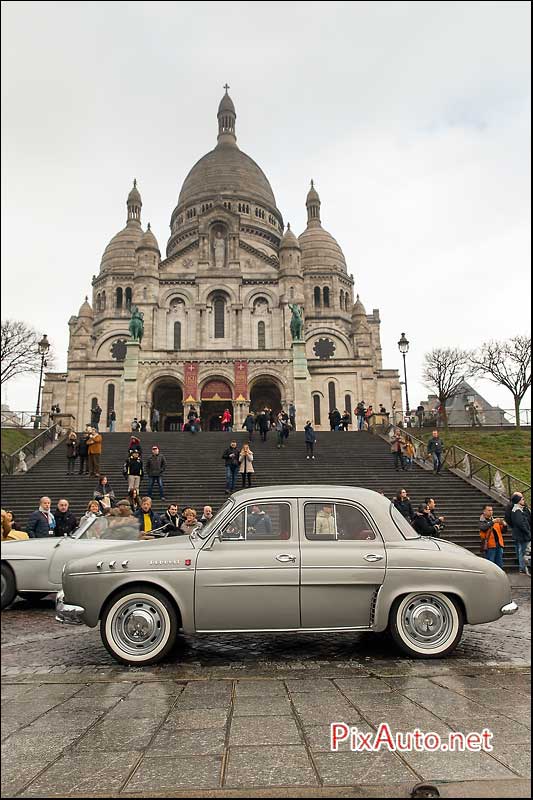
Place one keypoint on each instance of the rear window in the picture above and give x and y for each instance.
(407, 530)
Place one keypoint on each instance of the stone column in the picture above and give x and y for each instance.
(129, 385)
(302, 382)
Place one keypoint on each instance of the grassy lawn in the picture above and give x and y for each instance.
(508, 450)
(12, 439)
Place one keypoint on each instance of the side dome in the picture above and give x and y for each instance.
(85, 309)
(148, 241)
(320, 249)
(120, 252)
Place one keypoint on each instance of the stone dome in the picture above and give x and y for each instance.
(226, 104)
(226, 170)
(148, 241)
(320, 250)
(289, 239)
(134, 197)
(358, 309)
(120, 252)
(85, 309)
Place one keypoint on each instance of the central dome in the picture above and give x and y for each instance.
(226, 170)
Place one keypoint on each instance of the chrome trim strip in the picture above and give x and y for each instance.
(284, 630)
(24, 558)
(131, 571)
(440, 569)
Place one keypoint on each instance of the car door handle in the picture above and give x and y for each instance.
(373, 557)
(284, 558)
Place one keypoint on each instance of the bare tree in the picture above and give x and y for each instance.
(508, 364)
(18, 349)
(443, 371)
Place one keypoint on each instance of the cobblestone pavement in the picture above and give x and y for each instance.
(231, 716)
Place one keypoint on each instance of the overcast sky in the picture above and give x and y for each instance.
(413, 118)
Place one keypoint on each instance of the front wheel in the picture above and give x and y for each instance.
(139, 626)
(426, 624)
(9, 587)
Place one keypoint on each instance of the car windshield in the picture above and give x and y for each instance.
(407, 531)
(204, 532)
(118, 528)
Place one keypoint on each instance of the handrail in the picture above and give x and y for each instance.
(16, 462)
(475, 468)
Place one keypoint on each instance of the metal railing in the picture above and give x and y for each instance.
(24, 419)
(492, 418)
(17, 462)
(487, 476)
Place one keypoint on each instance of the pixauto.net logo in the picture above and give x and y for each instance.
(406, 741)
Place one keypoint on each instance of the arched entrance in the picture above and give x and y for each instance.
(167, 397)
(265, 393)
(216, 396)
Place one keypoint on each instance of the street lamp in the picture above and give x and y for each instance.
(403, 347)
(42, 348)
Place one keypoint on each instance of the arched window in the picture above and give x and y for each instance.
(261, 338)
(103, 300)
(128, 296)
(331, 396)
(348, 404)
(326, 296)
(341, 300)
(177, 336)
(219, 308)
(291, 292)
(317, 296)
(316, 408)
(118, 298)
(110, 400)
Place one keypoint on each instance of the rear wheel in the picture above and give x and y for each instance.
(9, 587)
(139, 626)
(426, 624)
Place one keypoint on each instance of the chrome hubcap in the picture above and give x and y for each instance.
(427, 621)
(138, 626)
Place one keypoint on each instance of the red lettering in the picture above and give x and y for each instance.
(338, 733)
(384, 736)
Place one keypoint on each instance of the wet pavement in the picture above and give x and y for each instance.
(230, 716)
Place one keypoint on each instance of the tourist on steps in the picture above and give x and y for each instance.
(310, 439)
(72, 452)
(246, 466)
(521, 529)
(94, 442)
(396, 449)
(249, 425)
(66, 522)
(491, 532)
(436, 451)
(231, 460)
(83, 452)
(422, 524)
(403, 504)
(155, 467)
(133, 470)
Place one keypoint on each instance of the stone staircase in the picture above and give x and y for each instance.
(195, 475)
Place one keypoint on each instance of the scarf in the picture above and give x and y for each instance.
(49, 516)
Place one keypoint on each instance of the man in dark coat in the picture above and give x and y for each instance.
(264, 424)
(249, 424)
(83, 452)
(436, 451)
(66, 522)
(96, 413)
(231, 459)
(42, 522)
(421, 522)
(155, 467)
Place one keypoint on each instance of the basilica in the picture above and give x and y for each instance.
(217, 310)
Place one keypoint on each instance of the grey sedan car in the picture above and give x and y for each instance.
(286, 559)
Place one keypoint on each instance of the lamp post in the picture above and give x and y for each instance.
(403, 347)
(43, 348)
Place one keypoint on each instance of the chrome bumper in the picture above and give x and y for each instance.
(67, 614)
(510, 608)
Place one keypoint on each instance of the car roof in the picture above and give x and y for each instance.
(319, 490)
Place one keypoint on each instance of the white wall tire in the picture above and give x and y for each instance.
(426, 624)
(9, 586)
(139, 626)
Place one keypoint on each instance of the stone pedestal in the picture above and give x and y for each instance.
(302, 383)
(129, 386)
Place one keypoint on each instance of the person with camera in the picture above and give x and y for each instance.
(491, 530)
(434, 518)
(422, 523)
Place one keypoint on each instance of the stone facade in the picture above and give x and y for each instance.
(216, 310)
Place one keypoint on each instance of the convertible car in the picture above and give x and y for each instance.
(286, 559)
(32, 568)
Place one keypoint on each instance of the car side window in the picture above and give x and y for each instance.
(331, 522)
(260, 522)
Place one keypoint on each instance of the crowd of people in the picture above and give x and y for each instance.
(403, 451)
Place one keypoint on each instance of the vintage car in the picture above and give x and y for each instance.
(286, 559)
(32, 568)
